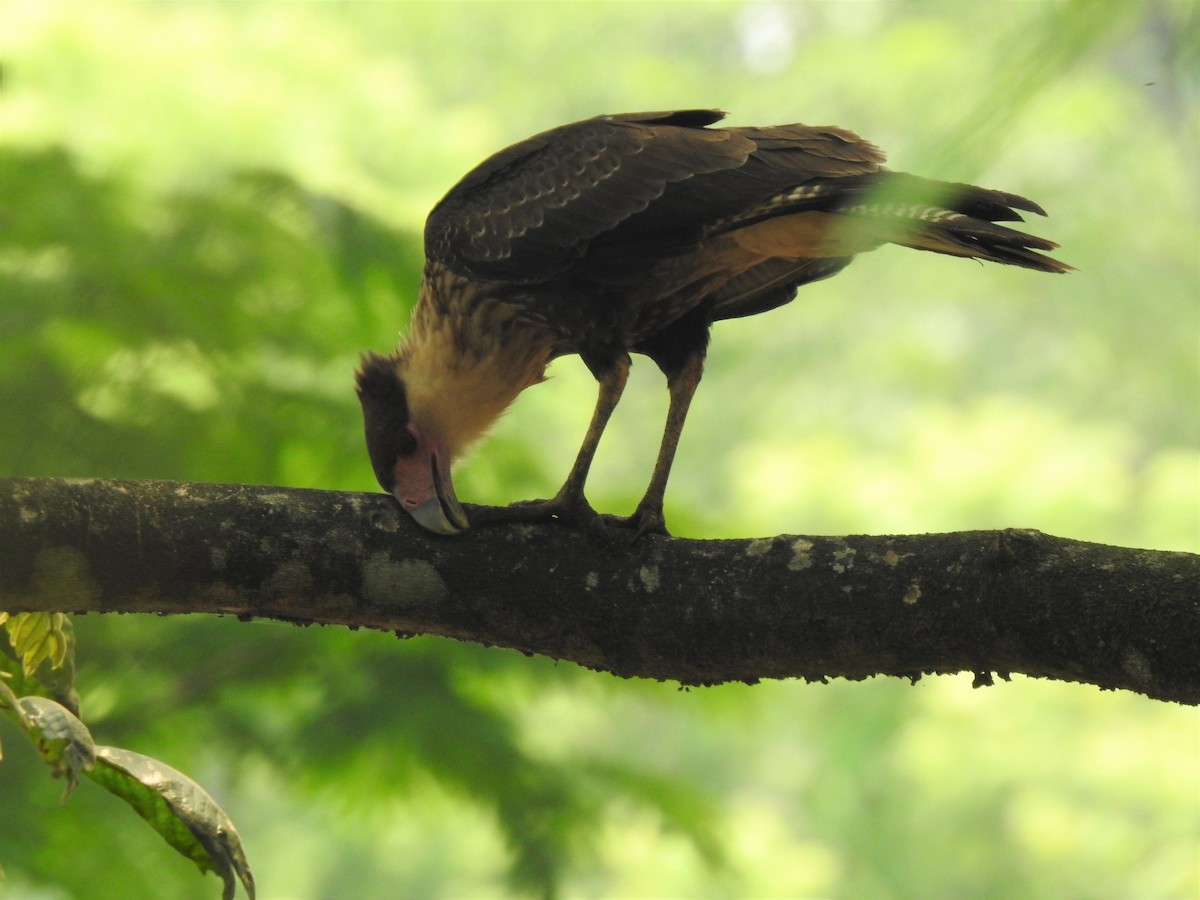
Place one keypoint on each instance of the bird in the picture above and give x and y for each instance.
(633, 234)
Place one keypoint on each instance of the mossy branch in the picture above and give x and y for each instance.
(699, 612)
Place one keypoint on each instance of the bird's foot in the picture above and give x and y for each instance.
(570, 508)
(645, 520)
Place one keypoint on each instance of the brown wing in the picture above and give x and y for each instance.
(792, 169)
(529, 212)
(607, 198)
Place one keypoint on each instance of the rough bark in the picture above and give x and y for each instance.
(699, 612)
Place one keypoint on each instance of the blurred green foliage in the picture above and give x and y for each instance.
(207, 210)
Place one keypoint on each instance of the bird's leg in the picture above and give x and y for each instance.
(612, 386)
(570, 503)
(681, 383)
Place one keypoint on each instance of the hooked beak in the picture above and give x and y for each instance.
(441, 514)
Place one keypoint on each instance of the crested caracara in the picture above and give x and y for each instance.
(633, 234)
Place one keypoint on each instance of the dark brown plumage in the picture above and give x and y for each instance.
(633, 234)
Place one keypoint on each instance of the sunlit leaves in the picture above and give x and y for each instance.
(37, 650)
(37, 637)
(207, 313)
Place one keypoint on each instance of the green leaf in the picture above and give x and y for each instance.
(34, 639)
(38, 636)
(180, 810)
(60, 738)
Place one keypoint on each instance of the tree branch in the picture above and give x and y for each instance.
(699, 612)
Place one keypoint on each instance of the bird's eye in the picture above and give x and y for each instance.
(407, 444)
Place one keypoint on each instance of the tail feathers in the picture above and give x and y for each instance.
(962, 236)
(957, 219)
(898, 208)
(976, 202)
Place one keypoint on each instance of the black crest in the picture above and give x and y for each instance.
(379, 385)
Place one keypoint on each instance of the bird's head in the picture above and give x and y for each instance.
(411, 460)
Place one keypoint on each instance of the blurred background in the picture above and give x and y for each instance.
(208, 210)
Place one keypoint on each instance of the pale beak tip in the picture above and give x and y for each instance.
(440, 518)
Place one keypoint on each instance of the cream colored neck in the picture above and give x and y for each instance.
(462, 369)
